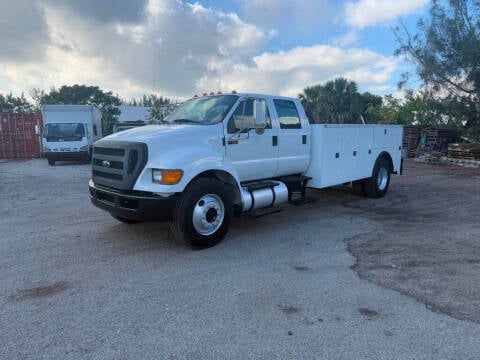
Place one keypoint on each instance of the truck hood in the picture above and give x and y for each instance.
(164, 135)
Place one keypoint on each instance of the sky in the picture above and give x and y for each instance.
(177, 48)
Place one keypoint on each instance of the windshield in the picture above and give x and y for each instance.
(64, 132)
(204, 111)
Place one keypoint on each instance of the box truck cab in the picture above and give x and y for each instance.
(70, 131)
(220, 156)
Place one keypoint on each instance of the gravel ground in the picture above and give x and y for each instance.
(428, 244)
(75, 283)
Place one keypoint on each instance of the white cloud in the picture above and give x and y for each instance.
(177, 49)
(23, 32)
(345, 40)
(289, 72)
(365, 13)
(175, 44)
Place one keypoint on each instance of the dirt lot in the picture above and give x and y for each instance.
(75, 283)
(428, 244)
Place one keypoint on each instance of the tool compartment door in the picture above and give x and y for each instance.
(340, 153)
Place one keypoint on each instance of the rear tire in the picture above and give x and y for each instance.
(377, 185)
(203, 213)
(51, 162)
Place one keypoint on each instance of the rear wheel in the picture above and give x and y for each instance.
(377, 185)
(51, 162)
(203, 213)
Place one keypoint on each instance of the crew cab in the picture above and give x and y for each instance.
(225, 155)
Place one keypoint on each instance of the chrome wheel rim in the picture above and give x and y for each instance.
(382, 178)
(208, 214)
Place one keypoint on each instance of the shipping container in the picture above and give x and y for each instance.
(20, 135)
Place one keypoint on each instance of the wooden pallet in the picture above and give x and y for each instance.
(411, 138)
(464, 151)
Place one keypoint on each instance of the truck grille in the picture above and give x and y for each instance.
(117, 164)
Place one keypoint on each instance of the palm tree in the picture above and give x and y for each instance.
(337, 101)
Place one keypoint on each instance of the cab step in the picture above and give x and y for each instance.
(296, 185)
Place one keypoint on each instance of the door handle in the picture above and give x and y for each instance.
(274, 140)
(232, 141)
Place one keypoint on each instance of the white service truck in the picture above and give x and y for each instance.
(224, 155)
(70, 131)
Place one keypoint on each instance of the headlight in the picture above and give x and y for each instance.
(166, 177)
(46, 149)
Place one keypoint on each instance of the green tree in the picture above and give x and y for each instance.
(446, 53)
(390, 110)
(83, 95)
(159, 106)
(370, 108)
(421, 108)
(16, 104)
(337, 101)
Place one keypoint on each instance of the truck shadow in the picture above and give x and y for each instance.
(157, 237)
(141, 237)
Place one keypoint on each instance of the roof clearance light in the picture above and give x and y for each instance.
(234, 91)
(205, 94)
(219, 92)
(212, 93)
(195, 96)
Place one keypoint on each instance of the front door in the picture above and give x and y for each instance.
(254, 156)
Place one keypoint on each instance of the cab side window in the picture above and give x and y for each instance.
(287, 114)
(242, 118)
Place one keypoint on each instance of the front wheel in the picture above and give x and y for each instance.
(203, 213)
(51, 162)
(377, 185)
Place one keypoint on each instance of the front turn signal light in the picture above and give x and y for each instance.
(166, 177)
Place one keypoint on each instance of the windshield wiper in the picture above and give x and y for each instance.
(186, 121)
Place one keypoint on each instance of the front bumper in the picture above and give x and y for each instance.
(67, 155)
(133, 205)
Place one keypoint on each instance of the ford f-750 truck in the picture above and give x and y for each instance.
(224, 155)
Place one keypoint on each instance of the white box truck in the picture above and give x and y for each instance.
(220, 156)
(70, 131)
(131, 116)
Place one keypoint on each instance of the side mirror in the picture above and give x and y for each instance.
(259, 110)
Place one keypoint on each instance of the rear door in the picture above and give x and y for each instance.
(254, 156)
(293, 138)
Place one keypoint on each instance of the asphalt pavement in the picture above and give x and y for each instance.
(75, 283)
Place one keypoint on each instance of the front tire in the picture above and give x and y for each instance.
(203, 213)
(51, 162)
(377, 185)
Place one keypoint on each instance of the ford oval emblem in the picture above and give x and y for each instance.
(106, 163)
